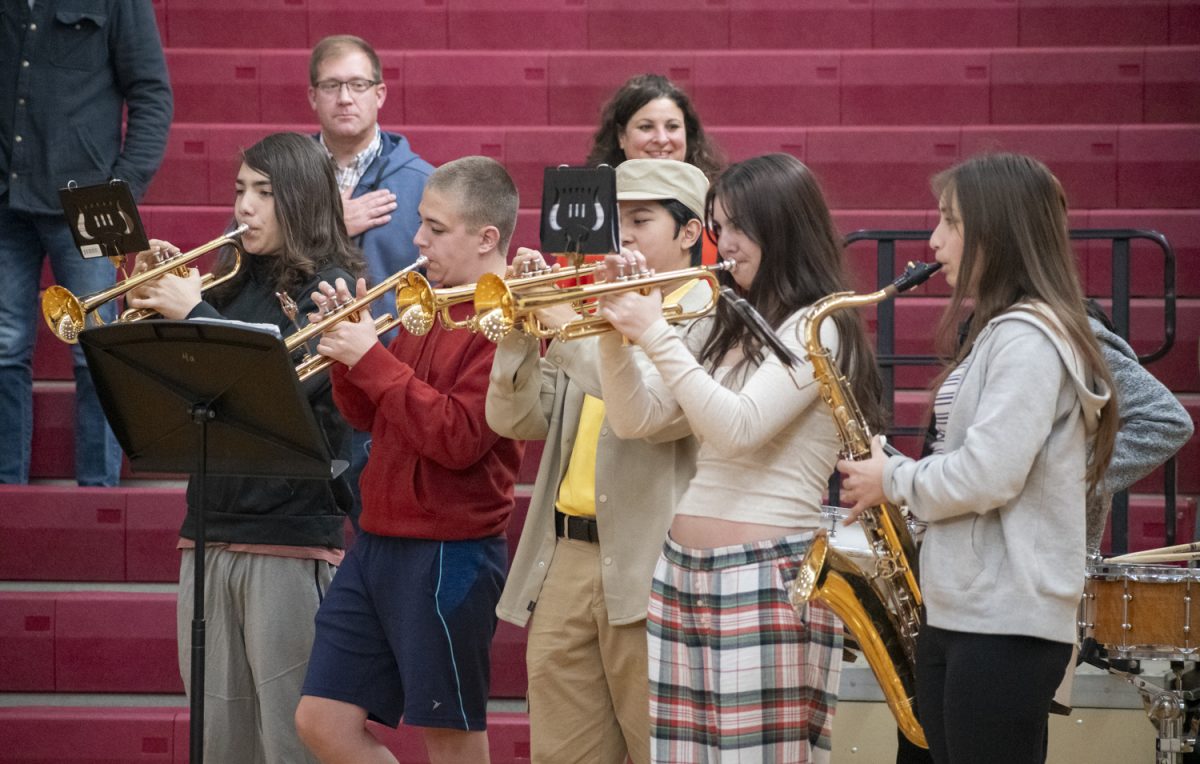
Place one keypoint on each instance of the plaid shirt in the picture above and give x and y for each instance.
(349, 176)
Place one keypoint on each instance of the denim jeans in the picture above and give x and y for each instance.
(25, 239)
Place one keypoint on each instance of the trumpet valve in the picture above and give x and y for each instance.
(416, 320)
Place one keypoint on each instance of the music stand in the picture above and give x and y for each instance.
(205, 398)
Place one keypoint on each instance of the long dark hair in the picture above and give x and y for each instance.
(777, 202)
(1016, 248)
(633, 95)
(309, 210)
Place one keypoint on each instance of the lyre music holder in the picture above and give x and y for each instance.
(103, 219)
(205, 397)
(579, 211)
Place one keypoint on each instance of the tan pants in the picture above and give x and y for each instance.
(258, 613)
(589, 695)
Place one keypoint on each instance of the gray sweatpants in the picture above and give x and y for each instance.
(259, 614)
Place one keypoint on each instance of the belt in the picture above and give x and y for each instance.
(575, 527)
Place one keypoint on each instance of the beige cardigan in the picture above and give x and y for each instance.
(638, 482)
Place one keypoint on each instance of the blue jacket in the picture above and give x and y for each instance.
(66, 71)
(389, 247)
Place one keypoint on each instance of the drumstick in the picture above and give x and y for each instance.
(1142, 557)
(1177, 549)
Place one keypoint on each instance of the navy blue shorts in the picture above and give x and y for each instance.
(406, 630)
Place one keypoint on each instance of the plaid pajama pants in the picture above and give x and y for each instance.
(736, 674)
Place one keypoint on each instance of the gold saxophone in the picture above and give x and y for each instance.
(881, 609)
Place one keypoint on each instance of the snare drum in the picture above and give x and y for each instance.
(1142, 611)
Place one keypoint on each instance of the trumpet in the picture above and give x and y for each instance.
(68, 315)
(348, 311)
(501, 306)
(417, 303)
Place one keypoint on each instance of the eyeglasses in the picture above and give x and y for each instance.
(333, 87)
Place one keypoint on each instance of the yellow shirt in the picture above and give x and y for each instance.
(577, 492)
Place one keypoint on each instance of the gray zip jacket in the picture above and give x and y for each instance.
(1004, 552)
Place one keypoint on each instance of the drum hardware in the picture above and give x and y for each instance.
(1132, 611)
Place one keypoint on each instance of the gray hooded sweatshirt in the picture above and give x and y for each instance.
(1004, 552)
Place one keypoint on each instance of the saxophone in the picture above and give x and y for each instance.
(881, 609)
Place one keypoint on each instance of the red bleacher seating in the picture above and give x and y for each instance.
(189, 226)
(237, 24)
(740, 143)
(86, 735)
(440, 144)
(99, 636)
(1065, 23)
(944, 23)
(1189, 455)
(518, 24)
(691, 23)
(529, 151)
(880, 167)
(52, 357)
(792, 88)
(51, 533)
(1067, 87)
(388, 24)
(915, 87)
(861, 256)
(215, 85)
(53, 450)
(1158, 166)
(1184, 19)
(26, 643)
(1148, 525)
(1084, 158)
(153, 517)
(183, 176)
(1172, 89)
(1182, 229)
(581, 82)
(283, 83)
(80, 735)
(766, 24)
(506, 88)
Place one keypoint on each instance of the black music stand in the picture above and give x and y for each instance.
(205, 397)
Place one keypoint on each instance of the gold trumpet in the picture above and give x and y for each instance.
(501, 306)
(417, 303)
(421, 302)
(348, 311)
(68, 315)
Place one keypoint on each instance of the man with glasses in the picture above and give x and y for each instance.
(380, 177)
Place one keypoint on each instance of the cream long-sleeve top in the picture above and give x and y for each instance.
(768, 444)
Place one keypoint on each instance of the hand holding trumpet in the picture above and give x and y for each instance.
(346, 341)
(631, 312)
(170, 295)
(529, 262)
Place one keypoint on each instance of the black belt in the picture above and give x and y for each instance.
(575, 527)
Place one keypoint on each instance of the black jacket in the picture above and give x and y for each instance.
(257, 510)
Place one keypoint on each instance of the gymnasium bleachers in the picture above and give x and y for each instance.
(875, 95)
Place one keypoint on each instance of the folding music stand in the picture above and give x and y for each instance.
(205, 398)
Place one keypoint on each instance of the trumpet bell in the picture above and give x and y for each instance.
(64, 313)
(493, 300)
(416, 320)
